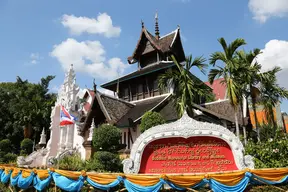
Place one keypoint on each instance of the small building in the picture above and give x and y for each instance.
(138, 92)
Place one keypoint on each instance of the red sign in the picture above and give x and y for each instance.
(193, 155)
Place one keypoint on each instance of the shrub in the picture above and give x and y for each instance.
(272, 151)
(10, 158)
(107, 138)
(151, 119)
(105, 161)
(26, 146)
(5, 145)
(72, 162)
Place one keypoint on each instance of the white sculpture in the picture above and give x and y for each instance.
(65, 139)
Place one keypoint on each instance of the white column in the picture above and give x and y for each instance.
(63, 132)
(69, 137)
(91, 130)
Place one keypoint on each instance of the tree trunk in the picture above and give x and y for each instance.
(243, 124)
(236, 123)
(253, 97)
(27, 130)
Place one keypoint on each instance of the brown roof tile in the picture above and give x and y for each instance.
(116, 108)
(139, 109)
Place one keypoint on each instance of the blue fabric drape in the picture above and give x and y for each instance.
(68, 184)
(39, 184)
(14, 180)
(105, 187)
(131, 187)
(5, 178)
(241, 186)
(24, 183)
(201, 184)
(282, 181)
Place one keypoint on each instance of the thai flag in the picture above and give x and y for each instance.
(65, 117)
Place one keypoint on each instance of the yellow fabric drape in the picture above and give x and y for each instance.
(103, 179)
(15, 172)
(230, 179)
(26, 173)
(226, 178)
(70, 174)
(7, 170)
(271, 174)
(143, 180)
(185, 180)
(42, 174)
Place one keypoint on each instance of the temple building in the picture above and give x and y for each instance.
(138, 92)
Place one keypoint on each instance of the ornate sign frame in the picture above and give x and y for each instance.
(186, 127)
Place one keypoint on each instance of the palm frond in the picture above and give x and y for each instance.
(213, 74)
(233, 46)
(223, 44)
(199, 62)
(217, 56)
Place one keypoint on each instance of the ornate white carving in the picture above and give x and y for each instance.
(91, 130)
(67, 95)
(186, 127)
(42, 138)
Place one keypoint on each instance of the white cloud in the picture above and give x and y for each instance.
(101, 25)
(87, 57)
(275, 54)
(264, 9)
(34, 58)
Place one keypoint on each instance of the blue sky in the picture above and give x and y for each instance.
(40, 38)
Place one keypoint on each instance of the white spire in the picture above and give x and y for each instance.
(91, 130)
(42, 138)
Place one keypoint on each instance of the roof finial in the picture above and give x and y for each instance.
(142, 23)
(94, 85)
(157, 34)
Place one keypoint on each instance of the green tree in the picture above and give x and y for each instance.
(151, 119)
(107, 138)
(271, 94)
(187, 89)
(29, 105)
(230, 69)
(248, 77)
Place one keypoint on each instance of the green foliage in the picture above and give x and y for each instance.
(24, 104)
(10, 157)
(5, 145)
(105, 161)
(26, 146)
(72, 162)
(272, 151)
(188, 89)
(107, 138)
(151, 119)
(5, 152)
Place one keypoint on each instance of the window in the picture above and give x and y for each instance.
(126, 94)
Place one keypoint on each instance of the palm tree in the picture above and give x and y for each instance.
(229, 58)
(271, 94)
(186, 87)
(249, 76)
